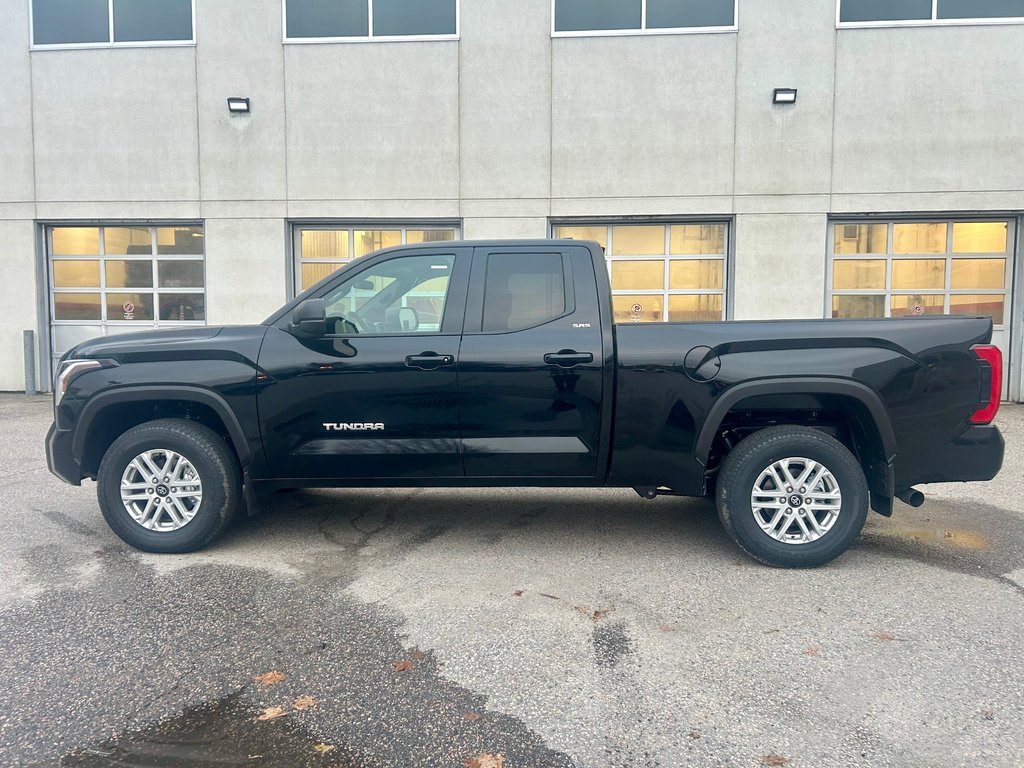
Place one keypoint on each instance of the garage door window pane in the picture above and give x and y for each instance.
(129, 307)
(413, 17)
(129, 274)
(884, 10)
(416, 236)
(854, 274)
(694, 309)
(591, 15)
(858, 306)
(696, 239)
(76, 306)
(181, 241)
(182, 306)
(978, 273)
(638, 308)
(663, 14)
(918, 273)
(980, 9)
(327, 18)
(979, 237)
(56, 22)
(127, 241)
(137, 20)
(919, 238)
(600, 234)
(695, 274)
(986, 306)
(76, 274)
(324, 243)
(860, 238)
(75, 241)
(638, 275)
(370, 240)
(631, 240)
(314, 273)
(180, 274)
(918, 304)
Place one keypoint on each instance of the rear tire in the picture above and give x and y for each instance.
(787, 524)
(169, 486)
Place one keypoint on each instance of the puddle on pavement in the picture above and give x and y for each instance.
(936, 536)
(224, 733)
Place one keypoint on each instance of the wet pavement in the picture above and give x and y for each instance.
(552, 628)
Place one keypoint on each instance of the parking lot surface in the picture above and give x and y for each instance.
(547, 627)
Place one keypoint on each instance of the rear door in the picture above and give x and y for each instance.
(531, 364)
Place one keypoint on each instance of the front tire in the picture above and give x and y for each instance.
(169, 486)
(792, 497)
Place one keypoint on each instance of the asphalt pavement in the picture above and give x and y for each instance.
(547, 627)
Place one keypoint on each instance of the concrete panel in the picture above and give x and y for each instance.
(119, 209)
(504, 207)
(779, 266)
(903, 202)
(16, 184)
(641, 206)
(781, 203)
(487, 229)
(18, 310)
(116, 124)
(785, 149)
(374, 209)
(246, 277)
(373, 120)
(505, 98)
(643, 115)
(243, 157)
(929, 109)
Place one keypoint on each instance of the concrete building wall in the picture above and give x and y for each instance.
(505, 130)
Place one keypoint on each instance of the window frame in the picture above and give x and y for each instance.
(934, 21)
(947, 292)
(369, 37)
(110, 42)
(352, 226)
(643, 29)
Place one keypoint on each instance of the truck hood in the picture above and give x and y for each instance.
(169, 344)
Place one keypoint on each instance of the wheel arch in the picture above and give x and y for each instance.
(874, 437)
(109, 414)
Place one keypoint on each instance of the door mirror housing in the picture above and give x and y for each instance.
(309, 319)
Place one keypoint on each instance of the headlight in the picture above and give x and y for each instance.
(69, 369)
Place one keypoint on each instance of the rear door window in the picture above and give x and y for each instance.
(522, 290)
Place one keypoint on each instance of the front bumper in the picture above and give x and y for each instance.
(59, 457)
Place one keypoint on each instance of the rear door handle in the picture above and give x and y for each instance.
(429, 360)
(567, 358)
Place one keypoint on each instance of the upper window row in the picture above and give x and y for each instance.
(111, 22)
(632, 16)
(366, 19)
(886, 12)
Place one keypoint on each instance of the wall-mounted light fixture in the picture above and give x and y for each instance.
(238, 105)
(784, 96)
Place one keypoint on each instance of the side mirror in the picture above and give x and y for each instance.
(309, 319)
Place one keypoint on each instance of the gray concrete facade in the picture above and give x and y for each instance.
(505, 130)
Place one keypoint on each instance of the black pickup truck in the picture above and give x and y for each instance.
(498, 363)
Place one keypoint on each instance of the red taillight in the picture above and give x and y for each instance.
(992, 359)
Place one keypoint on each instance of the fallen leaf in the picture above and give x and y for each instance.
(885, 636)
(485, 760)
(774, 760)
(592, 615)
(812, 651)
(304, 702)
(269, 678)
(401, 666)
(771, 631)
(988, 714)
(471, 716)
(668, 628)
(694, 734)
(417, 655)
(272, 713)
(518, 593)
(324, 748)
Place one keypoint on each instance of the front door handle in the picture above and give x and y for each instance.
(428, 361)
(567, 358)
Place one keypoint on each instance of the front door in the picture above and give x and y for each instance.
(377, 397)
(531, 365)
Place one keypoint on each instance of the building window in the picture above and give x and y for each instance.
(895, 12)
(906, 268)
(354, 20)
(602, 17)
(323, 249)
(673, 272)
(99, 23)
